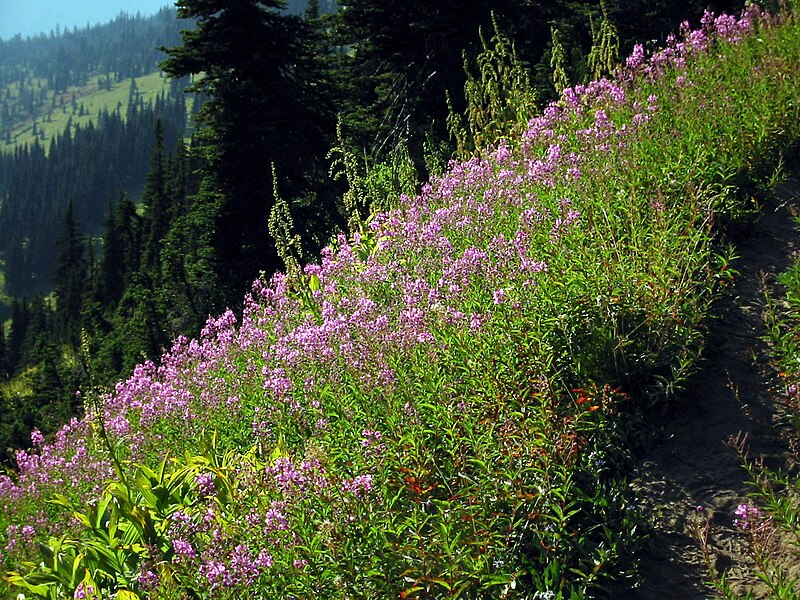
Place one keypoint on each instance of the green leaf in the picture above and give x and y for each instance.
(84, 520)
(280, 450)
(61, 500)
(100, 512)
(76, 566)
(89, 583)
(145, 489)
(18, 580)
(441, 582)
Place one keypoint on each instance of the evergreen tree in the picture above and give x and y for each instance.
(178, 181)
(53, 400)
(407, 55)
(266, 105)
(138, 323)
(38, 333)
(17, 419)
(70, 278)
(3, 352)
(121, 252)
(157, 204)
(87, 164)
(312, 11)
(182, 266)
(20, 318)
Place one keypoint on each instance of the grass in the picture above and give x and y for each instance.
(437, 409)
(92, 97)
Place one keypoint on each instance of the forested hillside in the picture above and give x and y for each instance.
(40, 76)
(122, 226)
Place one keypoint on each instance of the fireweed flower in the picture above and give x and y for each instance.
(747, 516)
(215, 573)
(147, 579)
(360, 486)
(275, 520)
(500, 296)
(204, 483)
(370, 438)
(183, 550)
(83, 591)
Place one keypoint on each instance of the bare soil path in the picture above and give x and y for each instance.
(736, 390)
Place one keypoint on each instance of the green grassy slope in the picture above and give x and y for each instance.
(53, 121)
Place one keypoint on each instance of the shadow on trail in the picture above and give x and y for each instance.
(691, 463)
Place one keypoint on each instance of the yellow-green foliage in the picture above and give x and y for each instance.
(20, 386)
(499, 97)
(604, 55)
(558, 61)
(372, 187)
(4, 299)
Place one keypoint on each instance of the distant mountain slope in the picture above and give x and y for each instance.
(36, 73)
(81, 105)
(77, 115)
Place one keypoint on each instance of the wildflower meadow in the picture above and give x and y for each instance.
(436, 408)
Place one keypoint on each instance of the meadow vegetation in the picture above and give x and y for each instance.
(435, 409)
(79, 106)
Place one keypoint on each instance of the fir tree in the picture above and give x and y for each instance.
(38, 333)
(266, 104)
(20, 318)
(121, 251)
(70, 278)
(157, 204)
(407, 55)
(3, 352)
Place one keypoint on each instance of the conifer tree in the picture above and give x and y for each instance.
(121, 251)
(312, 10)
(70, 277)
(20, 317)
(3, 352)
(157, 204)
(38, 333)
(139, 324)
(407, 55)
(266, 104)
(178, 178)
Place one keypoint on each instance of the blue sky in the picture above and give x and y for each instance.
(30, 17)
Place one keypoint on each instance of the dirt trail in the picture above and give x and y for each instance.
(691, 464)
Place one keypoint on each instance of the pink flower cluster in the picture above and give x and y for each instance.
(748, 516)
